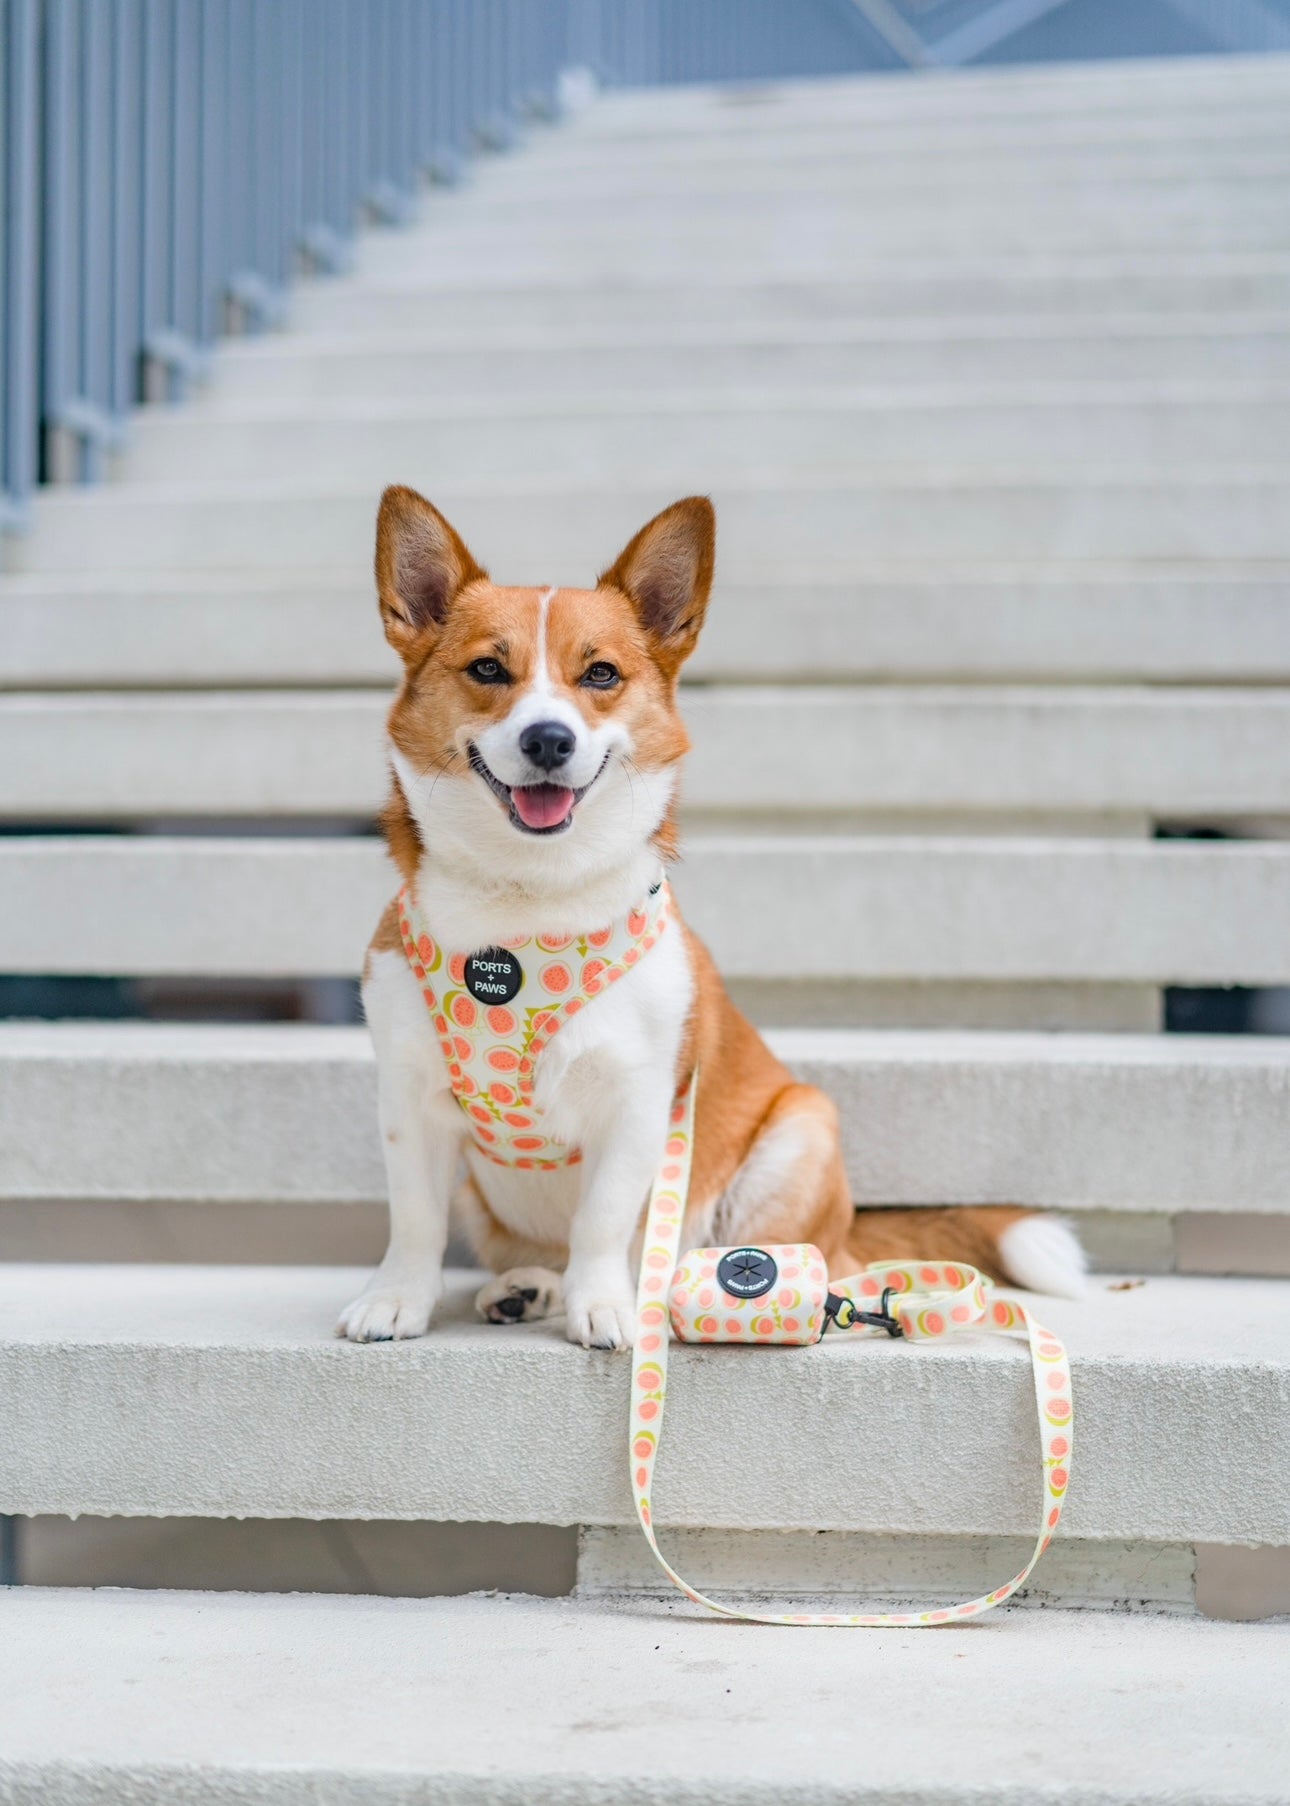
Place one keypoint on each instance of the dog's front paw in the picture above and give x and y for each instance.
(391, 1309)
(600, 1312)
(522, 1295)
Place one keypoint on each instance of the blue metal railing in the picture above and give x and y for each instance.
(167, 166)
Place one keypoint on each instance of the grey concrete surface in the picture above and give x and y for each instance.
(1199, 753)
(407, 1560)
(1043, 1006)
(896, 162)
(1212, 139)
(1215, 622)
(1010, 153)
(231, 1700)
(1145, 286)
(204, 1391)
(271, 1232)
(1144, 86)
(767, 235)
(917, 355)
(267, 1233)
(781, 1567)
(1244, 1242)
(632, 432)
(774, 525)
(856, 907)
(1242, 1584)
(1114, 1122)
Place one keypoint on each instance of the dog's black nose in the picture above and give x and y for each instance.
(547, 743)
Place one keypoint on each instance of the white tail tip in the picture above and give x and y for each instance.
(1043, 1254)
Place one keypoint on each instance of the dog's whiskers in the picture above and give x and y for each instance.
(630, 765)
(441, 768)
(627, 767)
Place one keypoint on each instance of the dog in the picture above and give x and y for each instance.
(534, 996)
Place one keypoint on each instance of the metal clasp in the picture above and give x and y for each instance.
(846, 1314)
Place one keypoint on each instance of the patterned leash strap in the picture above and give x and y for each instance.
(923, 1300)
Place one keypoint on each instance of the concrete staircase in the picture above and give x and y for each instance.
(989, 376)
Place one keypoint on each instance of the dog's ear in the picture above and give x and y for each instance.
(666, 573)
(421, 564)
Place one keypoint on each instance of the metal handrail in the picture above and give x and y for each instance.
(168, 166)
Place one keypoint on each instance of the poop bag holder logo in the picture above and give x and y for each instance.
(783, 1296)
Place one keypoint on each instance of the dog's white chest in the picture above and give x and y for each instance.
(634, 1029)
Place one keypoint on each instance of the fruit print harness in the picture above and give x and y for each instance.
(495, 1012)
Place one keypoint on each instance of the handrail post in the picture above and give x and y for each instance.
(19, 274)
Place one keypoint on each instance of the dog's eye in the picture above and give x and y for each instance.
(601, 676)
(488, 671)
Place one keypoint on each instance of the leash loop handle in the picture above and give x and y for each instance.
(920, 1300)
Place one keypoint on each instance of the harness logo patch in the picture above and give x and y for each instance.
(493, 976)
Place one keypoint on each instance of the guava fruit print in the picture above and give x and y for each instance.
(497, 1009)
(790, 1313)
(928, 1299)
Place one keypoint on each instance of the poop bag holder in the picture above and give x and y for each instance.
(783, 1296)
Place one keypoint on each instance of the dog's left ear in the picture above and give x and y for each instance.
(666, 573)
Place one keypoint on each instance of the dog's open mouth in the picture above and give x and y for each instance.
(534, 808)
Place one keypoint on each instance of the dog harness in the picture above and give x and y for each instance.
(497, 1010)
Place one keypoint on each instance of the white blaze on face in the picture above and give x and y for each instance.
(541, 673)
(540, 701)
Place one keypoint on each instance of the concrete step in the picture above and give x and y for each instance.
(847, 909)
(1146, 80)
(1133, 87)
(1019, 286)
(429, 369)
(634, 433)
(1255, 113)
(860, 178)
(773, 233)
(783, 1570)
(774, 524)
(910, 621)
(893, 161)
(896, 158)
(205, 1698)
(1180, 753)
(1129, 1123)
(610, 133)
(536, 207)
(119, 1381)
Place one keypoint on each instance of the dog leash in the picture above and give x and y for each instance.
(917, 1300)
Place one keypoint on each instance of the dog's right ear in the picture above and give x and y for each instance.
(421, 565)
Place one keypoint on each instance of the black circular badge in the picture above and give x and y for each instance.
(747, 1272)
(493, 976)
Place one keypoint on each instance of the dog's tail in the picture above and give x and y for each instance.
(1011, 1245)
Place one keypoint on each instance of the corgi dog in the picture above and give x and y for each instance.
(534, 996)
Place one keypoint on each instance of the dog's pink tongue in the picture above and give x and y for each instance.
(542, 805)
